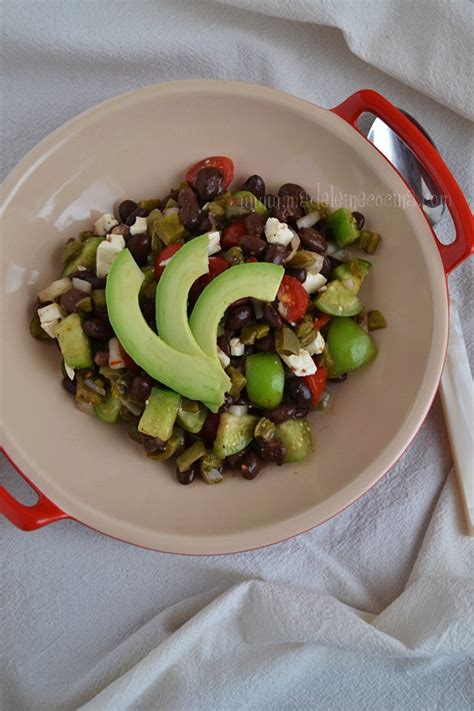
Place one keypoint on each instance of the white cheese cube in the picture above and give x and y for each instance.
(237, 348)
(301, 364)
(224, 359)
(82, 285)
(104, 224)
(278, 232)
(313, 282)
(49, 317)
(317, 345)
(106, 253)
(214, 242)
(139, 226)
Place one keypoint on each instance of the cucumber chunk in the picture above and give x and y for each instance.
(234, 433)
(296, 437)
(73, 342)
(338, 301)
(160, 413)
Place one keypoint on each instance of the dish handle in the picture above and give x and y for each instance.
(370, 101)
(28, 518)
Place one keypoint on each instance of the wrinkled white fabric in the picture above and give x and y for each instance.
(373, 609)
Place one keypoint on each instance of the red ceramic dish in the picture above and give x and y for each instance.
(91, 472)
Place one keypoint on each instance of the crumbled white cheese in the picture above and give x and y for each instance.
(104, 224)
(139, 226)
(317, 345)
(69, 371)
(214, 242)
(301, 364)
(81, 284)
(49, 317)
(278, 232)
(308, 220)
(237, 348)
(115, 357)
(55, 289)
(106, 253)
(224, 359)
(313, 282)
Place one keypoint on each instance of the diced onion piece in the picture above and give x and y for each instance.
(214, 242)
(342, 255)
(258, 308)
(131, 407)
(70, 372)
(237, 348)
(308, 220)
(331, 248)
(238, 410)
(115, 357)
(294, 244)
(81, 284)
(89, 382)
(213, 476)
(224, 359)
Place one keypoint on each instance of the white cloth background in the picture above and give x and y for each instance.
(374, 609)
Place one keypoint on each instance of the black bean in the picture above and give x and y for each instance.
(323, 227)
(238, 316)
(255, 185)
(339, 378)
(326, 269)
(140, 246)
(272, 317)
(360, 219)
(126, 208)
(97, 328)
(272, 451)
(69, 385)
(209, 429)
(283, 412)
(250, 465)
(313, 240)
(233, 462)
(208, 183)
(255, 224)
(141, 388)
(302, 412)
(298, 390)
(251, 244)
(138, 212)
(204, 224)
(265, 344)
(189, 475)
(275, 253)
(288, 209)
(299, 274)
(71, 298)
(90, 276)
(153, 445)
(189, 211)
(293, 190)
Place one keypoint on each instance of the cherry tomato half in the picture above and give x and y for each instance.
(216, 266)
(232, 233)
(321, 322)
(129, 362)
(167, 253)
(294, 298)
(223, 164)
(317, 383)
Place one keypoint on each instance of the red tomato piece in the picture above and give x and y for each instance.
(251, 260)
(294, 298)
(317, 384)
(167, 253)
(232, 233)
(321, 322)
(129, 362)
(223, 164)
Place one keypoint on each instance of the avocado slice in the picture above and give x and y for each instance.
(187, 265)
(338, 301)
(234, 433)
(193, 376)
(258, 280)
(296, 437)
